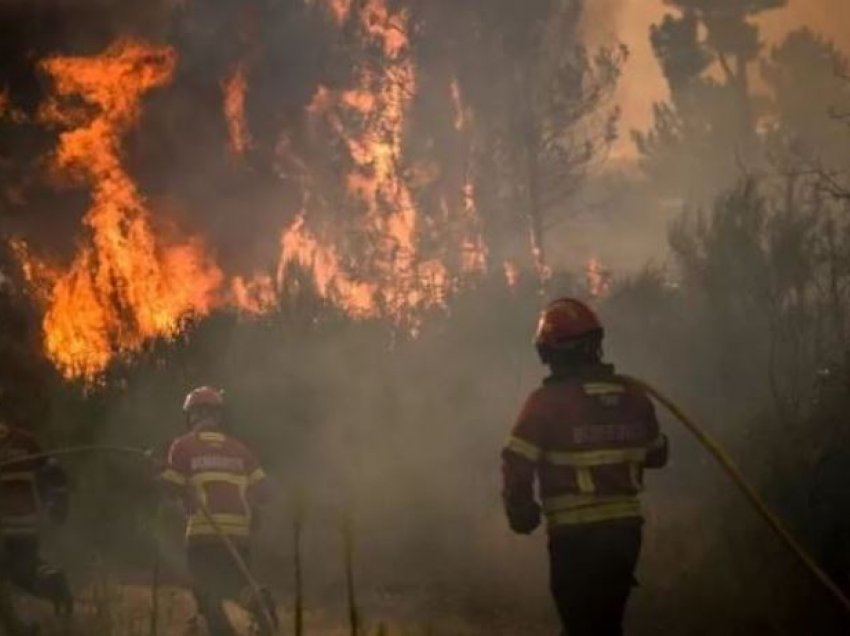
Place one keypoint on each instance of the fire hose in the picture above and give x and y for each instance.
(140, 453)
(708, 443)
(755, 500)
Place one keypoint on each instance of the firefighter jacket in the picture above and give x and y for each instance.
(19, 502)
(219, 480)
(586, 438)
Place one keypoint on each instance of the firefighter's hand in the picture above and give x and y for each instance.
(524, 518)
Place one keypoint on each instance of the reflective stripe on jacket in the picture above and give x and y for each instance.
(586, 440)
(213, 470)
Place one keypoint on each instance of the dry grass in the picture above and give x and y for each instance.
(108, 608)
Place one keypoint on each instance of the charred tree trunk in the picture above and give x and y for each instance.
(531, 147)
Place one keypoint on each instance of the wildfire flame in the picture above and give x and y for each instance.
(474, 257)
(319, 258)
(511, 274)
(598, 279)
(125, 286)
(128, 285)
(339, 9)
(457, 105)
(235, 87)
(397, 282)
(255, 296)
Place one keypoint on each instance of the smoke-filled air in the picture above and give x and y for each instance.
(307, 309)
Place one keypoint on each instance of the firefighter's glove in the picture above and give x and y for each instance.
(524, 518)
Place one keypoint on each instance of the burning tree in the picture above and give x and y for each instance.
(543, 115)
(394, 180)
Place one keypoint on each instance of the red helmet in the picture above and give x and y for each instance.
(203, 396)
(564, 321)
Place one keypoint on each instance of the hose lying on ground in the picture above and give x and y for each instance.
(143, 454)
(726, 463)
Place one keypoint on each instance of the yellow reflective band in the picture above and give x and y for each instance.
(572, 509)
(173, 476)
(524, 449)
(212, 476)
(602, 388)
(221, 518)
(585, 482)
(257, 475)
(594, 515)
(596, 458)
(572, 501)
(210, 436)
(209, 530)
(231, 524)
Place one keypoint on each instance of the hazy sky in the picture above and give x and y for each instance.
(629, 21)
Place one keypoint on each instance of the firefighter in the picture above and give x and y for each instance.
(209, 468)
(27, 489)
(586, 436)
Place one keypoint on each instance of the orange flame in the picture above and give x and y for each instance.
(397, 282)
(386, 28)
(457, 105)
(125, 286)
(340, 10)
(300, 247)
(474, 249)
(598, 279)
(235, 87)
(511, 274)
(254, 296)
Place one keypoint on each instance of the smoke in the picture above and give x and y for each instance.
(628, 21)
(402, 434)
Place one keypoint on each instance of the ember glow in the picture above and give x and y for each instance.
(598, 279)
(8, 110)
(457, 105)
(511, 274)
(339, 9)
(235, 88)
(125, 286)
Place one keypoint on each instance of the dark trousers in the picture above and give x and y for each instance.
(26, 570)
(591, 574)
(216, 578)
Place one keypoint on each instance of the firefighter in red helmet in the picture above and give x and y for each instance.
(585, 436)
(221, 484)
